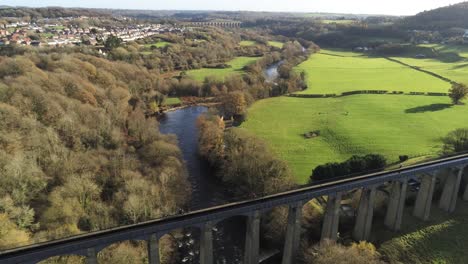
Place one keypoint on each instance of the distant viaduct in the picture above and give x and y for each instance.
(448, 170)
(224, 24)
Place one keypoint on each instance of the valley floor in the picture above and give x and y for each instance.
(335, 72)
(390, 125)
(387, 124)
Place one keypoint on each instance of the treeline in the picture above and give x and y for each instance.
(28, 13)
(353, 166)
(370, 32)
(247, 167)
(191, 50)
(243, 161)
(77, 152)
(444, 18)
(237, 92)
(200, 48)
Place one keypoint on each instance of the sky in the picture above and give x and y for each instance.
(387, 7)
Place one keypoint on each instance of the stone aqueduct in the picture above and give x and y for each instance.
(449, 170)
(224, 24)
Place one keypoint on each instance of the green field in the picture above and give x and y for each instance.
(338, 71)
(391, 125)
(456, 71)
(237, 66)
(247, 43)
(172, 101)
(440, 240)
(338, 21)
(160, 44)
(451, 61)
(276, 44)
(462, 50)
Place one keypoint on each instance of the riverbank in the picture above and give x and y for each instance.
(208, 105)
(207, 191)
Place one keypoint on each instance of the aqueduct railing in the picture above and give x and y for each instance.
(451, 169)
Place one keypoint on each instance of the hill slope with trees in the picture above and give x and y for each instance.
(77, 152)
(453, 16)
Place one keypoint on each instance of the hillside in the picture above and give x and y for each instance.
(47, 12)
(76, 150)
(440, 18)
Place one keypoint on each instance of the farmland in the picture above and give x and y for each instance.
(276, 44)
(173, 101)
(452, 62)
(338, 21)
(247, 43)
(236, 64)
(160, 44)
(353, 125)
(332, 72)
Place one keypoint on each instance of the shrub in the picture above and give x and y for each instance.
(456, 141)
(437, 94)
(354, 165)
(403, 158)
(251, 167)
(375, 162)
(14, 67)
(10, 234)
(458, 92)
(312, 219)
(126, 252)
(416, 93)
(331, 253)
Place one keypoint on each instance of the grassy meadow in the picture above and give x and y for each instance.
(247, 43)
(172, 101)
(237, 66)
(160, 44)
(440, 240)
(456, 71)
(338, 21)
(461, 50)
(276, 44)
(451, 61)
(339, 71)
(358, 124)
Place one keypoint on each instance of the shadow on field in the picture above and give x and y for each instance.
(427, 108)
(460, 66)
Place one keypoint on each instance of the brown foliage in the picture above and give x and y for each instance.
(331, 253)
(75, 155)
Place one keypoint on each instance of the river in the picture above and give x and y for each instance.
(206, 191)
(228, 235)
(182, 123)
(271, 72)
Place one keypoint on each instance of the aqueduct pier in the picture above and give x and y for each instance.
(449, 170)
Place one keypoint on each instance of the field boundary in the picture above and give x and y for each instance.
(378, 92)
(422, 70)
(341, 56)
